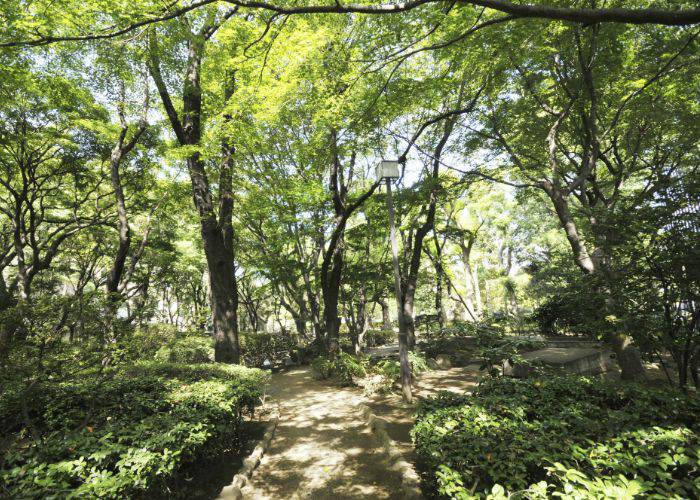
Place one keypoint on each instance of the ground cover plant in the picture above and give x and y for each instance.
(125, 432)
(198, 182)
(373, 377)
(567, 436)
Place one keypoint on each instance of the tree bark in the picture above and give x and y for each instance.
(120, 150)
(216, 234)
(332, 263)
(386, 317)
(628, 356)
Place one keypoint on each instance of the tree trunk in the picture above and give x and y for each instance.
(121, 149)
(468, 279)
(386, 317)
(578, 248)
(477, 291)
(439, 278)
(218, 253)
(332, 319)
(628, 355)
(332, 263)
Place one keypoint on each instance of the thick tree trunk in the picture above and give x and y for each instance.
(223, 304)
(332, 271)
(628, 357)
(627, 354)
(217, 248)
(332, 263)
(331, 317)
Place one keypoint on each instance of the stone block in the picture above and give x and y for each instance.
(581, 360)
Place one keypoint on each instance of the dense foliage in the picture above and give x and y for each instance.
(124, 433)
(192, 181)
(379, 376)
(561, 436)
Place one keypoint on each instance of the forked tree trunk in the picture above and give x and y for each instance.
(628, 356)
(120, 150)
(216, 234)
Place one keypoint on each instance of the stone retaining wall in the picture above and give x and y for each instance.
(233, 490)
(410, 481)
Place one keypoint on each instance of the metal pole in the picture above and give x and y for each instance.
(403, 337)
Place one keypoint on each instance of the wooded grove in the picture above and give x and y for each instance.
(194, 223)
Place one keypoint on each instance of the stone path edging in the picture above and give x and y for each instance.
(410, 481)
(233, 490)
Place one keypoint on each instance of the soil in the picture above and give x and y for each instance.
(322, 448)
(399, 415)
(204, 480)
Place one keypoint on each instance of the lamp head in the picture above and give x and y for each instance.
(387, 169)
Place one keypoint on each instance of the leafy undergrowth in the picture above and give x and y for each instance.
(346, 369)
(124, 432)
(567, 436)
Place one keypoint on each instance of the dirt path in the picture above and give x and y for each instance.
(322, 448)
(399, 415)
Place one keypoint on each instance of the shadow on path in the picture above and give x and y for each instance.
(322, 448)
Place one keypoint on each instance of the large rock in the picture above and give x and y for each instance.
(443, 361)
(464, 358)
(582, 360)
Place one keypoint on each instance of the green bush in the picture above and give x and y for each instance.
(122, 432)
(495, 347)
(389, 371)
(258, 346)
(147, 340)
(187, 349)
(342, 367)
(455, 329)
(379, 337)
(561, 436)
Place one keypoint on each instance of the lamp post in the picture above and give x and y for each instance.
(388, 170)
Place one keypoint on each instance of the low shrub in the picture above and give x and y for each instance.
(566, 436)
(382, 376)
(448, 345)
(495, 348)
(342, 367)
(120, 432)
(256, 347)
(376, 338)
(187, 349)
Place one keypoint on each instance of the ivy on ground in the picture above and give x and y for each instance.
(125, 432)
(568, 436)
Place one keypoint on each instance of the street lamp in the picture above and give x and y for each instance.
(388, 170)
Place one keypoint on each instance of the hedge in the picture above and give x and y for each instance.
(567, 436)
(124, 432)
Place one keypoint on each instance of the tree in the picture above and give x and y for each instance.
(599, 143)
(216, 226)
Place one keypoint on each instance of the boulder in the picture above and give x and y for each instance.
(432, 364)
(443, 361)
